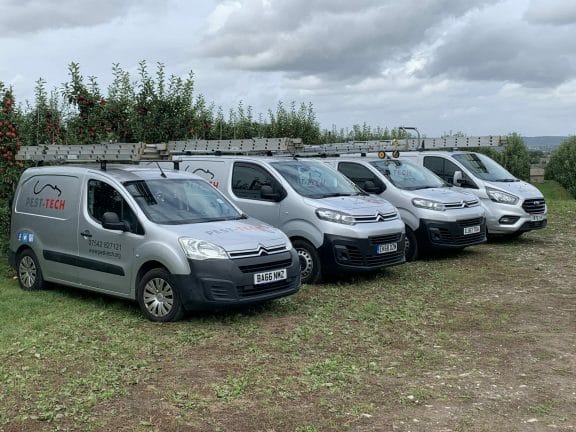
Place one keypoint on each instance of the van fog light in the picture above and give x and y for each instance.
(341, 254)
(435, 234)
(508, 220)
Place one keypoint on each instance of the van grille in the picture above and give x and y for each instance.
(257, 290)
(462, 204)
(259, 251)
(449, 237)
(379, 217)
(255, 268)
(391, 238)
(373, 260)
(471, 222)
(534, 205)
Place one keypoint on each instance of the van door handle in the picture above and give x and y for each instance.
(86, 233)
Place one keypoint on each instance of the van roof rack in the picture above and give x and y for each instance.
(136, 152)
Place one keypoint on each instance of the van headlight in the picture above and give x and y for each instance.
(335, 216)
(428, 204)
(201, 250)
(501, 196)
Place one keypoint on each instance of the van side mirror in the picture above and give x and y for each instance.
(458, 179)
(267, 193)
(372, 188)
(110, 220)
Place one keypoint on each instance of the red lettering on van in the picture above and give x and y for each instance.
(56, 204)
(215, 183)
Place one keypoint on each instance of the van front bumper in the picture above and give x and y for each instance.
(357, 254)
(452, 235)
(214, 284)
(532, 214)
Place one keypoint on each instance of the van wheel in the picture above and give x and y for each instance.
(158, 297)
(310, 268)
(410, 245)
(29, 272)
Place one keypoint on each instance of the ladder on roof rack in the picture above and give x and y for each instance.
(406, 144)
(135, 152)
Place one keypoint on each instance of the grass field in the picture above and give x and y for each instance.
(480, 340)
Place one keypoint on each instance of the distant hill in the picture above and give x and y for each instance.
(543, 142)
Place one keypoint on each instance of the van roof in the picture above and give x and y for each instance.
(118, 172)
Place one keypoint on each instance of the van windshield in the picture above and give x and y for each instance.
(181, 201)
(315, 179)
(484, 168)
(407, 176)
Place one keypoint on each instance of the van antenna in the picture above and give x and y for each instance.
(161, 171)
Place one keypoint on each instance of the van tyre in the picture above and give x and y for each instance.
(158, 296)
(310, 267)
(29, 272)
(411, 245)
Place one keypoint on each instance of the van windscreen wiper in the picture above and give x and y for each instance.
(336, 194)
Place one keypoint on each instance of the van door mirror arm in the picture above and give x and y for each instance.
(373, 188)
(267, 193)
(111, 221)
(458, 179)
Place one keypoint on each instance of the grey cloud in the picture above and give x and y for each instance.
(513, 53)
(25, 16)
(335, 39)
(552, 12)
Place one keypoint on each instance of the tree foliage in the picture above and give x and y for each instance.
(514, 156)
(562, 165)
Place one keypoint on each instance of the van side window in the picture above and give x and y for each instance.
(359, 174)
(104, 198)
(248, 179)
(445, 169)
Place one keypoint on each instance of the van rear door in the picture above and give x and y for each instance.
(46, 219)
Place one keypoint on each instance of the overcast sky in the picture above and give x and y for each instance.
(477, 66)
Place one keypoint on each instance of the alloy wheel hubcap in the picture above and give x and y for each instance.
(27, 272)
(158, 297)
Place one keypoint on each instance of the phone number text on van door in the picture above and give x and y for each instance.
(105, 248)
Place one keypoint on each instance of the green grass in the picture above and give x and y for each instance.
(468, 330)
(552, 190)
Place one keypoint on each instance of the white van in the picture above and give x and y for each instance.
(333, 225)
(512, 206)
(436, 215)
(164, 238)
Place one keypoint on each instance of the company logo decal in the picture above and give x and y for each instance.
(54, 203)
(47, 185)
(206, 175)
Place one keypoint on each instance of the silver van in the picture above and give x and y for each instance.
(512, 206)
(436, 215)
(333, 225)
(164, 238)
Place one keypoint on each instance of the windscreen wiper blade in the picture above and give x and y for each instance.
(335, 194)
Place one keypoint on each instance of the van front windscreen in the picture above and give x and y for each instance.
(315, 179)
(181, 201)
(407, 176)
(484, 168)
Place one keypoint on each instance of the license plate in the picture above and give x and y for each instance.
(271, 276)
(386, 248)
(537, 218)
(472, 229)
